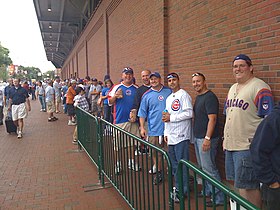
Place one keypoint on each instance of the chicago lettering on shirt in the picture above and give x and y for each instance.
(236, 102)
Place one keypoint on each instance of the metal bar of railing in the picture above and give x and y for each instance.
(215, 184)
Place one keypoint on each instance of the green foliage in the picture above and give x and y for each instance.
(5, 60)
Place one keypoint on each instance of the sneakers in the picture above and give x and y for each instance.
(133, 166)
(71, 123)
(118, 168)
(19, 135)
(153, 170)
(158, 178)
(175, 196)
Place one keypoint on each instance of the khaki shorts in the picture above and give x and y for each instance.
(157, 141)
(50, 107)
(122, 140)
(57, 99)
(19, 111)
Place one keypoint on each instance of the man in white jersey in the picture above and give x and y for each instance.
(248, 102)
(177, 128)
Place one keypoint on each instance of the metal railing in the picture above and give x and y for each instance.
(112, 150)
(239, 203)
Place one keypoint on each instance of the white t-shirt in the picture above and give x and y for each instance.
(179, 106)
(49, 91)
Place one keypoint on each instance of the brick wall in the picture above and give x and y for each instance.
(185, 37)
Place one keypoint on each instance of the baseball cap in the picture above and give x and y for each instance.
(73, 81)
(94, 79)
(155, 74)
(81, 86)
(127, 70)
(242, 57)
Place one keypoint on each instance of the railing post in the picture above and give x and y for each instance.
(100, 151)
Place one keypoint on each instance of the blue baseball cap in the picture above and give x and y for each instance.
(155, 74)
(127, 70)
(242, 57)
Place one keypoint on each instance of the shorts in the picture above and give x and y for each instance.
(57, 99)
(122, 140)
(70, 109)
(19, 111)
(157, 141)
(239, 169)
(50, 107)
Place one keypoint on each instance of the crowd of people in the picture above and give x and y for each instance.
(167, 115)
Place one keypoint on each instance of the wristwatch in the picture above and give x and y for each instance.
(207, 138)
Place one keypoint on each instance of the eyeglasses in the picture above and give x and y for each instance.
(239, 66)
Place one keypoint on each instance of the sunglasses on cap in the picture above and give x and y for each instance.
(198, 74)
(172, 75)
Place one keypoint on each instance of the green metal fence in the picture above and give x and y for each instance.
(112, 149)
(198, 204)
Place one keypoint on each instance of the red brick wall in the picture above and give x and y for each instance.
(185, 37)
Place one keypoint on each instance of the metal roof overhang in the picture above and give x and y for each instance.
(61, 22)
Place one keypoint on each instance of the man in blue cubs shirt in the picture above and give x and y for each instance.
(152, 105)
(121, 98)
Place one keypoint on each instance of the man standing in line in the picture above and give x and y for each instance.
(57, 91)
(206, 134)
(145, 76)
(1, 104)
(177, 132)
(6, 92)
(17, 98)
(152, 105)
(265, 152)
(94, 91)
(70, 102)
(121, 97)
(50, 101)
(248, 102)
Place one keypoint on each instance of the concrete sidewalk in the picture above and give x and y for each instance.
(44, 170)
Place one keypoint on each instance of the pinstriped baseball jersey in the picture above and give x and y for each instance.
(179, 106)
(244, 112)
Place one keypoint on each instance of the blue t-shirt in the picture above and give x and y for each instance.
(105, 92)
(122, 106)
(152, 105)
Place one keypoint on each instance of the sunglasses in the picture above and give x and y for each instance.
(172, 75)
(198, 74)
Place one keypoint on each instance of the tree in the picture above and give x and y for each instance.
(5, 61)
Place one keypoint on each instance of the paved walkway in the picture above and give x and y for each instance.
(45, 170)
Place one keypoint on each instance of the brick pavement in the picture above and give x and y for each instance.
(45, 170)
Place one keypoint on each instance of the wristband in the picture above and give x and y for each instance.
(207, 138)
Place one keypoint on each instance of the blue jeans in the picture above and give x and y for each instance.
(240, 169)
(206, 160)
(42, 102)
(176, 153)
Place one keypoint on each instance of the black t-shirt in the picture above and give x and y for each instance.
(204, 105)
(138, 96)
